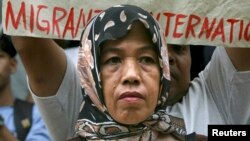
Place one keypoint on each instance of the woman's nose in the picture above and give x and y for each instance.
(131, 73)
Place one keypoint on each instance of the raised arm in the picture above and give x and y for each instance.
(44, 62)
(240, 58)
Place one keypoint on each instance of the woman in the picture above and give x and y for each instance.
(124, 73)
(123, 85)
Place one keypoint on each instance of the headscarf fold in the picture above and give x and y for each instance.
(94, 121)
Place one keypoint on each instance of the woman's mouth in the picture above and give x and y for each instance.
(131, 96)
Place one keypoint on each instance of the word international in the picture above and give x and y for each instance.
(237, 132)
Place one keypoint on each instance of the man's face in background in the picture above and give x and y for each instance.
(0, 12)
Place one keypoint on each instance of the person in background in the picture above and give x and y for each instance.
(19, 81)
(14, 125)
(219, 95)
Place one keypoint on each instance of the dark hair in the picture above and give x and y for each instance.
(7, 46)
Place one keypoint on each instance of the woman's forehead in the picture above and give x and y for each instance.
(138, 36)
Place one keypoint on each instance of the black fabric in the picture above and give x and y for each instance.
(22, 112)
(190, 137)
(77, 139)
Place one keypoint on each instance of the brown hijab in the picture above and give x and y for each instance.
(95, 123)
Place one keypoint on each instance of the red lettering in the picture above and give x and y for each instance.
(56, 20)
(178, 23)
(89, 15)
(246, 33)
(191, 24)
(169, 16)
(157, 17)
(219, 31)
(31, 18)
(70, 23)
(46, 23)
(205, 28)
(82, 17)
(10, 14)
(241, 29)
(232, 22)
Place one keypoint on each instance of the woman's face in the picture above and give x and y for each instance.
(130, 76)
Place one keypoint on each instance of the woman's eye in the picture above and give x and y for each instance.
(113, 60)
(147, 60)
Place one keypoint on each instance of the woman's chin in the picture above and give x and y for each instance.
(131, 120)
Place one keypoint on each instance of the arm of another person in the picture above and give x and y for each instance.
(240, 58)
(44, 61)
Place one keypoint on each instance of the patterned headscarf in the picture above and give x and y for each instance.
(94, 120)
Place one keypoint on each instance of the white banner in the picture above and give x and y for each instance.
(197, 22)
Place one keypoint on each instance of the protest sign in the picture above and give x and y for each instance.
(201, 22)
